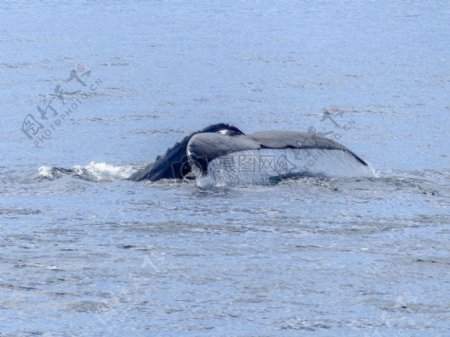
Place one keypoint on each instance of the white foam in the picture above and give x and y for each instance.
(104, 171)
(262, 166)
(46, 172)
(93, 171)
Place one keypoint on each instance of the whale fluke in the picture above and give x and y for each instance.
(196, 151)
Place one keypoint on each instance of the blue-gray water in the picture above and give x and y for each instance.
(310, 257)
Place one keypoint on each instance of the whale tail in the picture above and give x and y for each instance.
(216, 146)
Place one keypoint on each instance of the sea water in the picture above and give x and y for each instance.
(85, 252)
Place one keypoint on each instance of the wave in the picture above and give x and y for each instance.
(92, 172)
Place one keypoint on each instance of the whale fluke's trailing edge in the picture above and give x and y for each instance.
(204, 148)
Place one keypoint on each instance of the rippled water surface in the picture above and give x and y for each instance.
(88, 253)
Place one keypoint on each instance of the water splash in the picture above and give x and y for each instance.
(268, 166)
(92, 172)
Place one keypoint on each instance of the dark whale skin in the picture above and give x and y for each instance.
(174, 164)
(202, 146)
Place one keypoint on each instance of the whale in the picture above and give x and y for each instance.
(221, 148)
